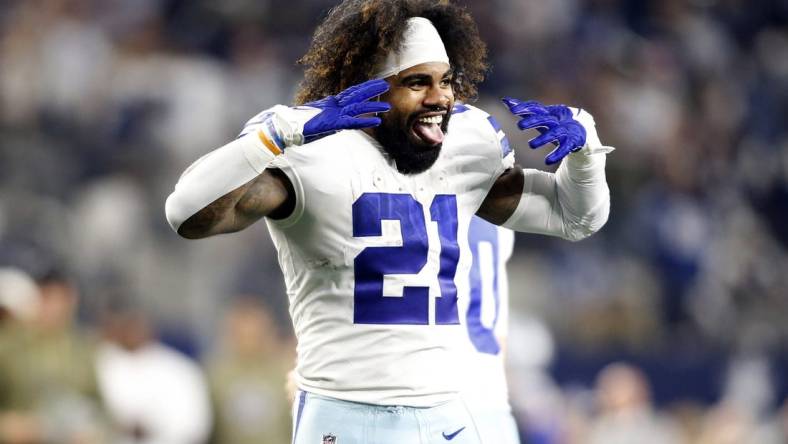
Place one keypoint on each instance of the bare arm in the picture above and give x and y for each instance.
(503, 198)
(269, 194)
(228, 189)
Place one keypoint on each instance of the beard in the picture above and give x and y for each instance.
(409, 157)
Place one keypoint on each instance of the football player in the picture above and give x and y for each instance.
(368, 190)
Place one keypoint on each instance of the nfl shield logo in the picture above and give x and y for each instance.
(329, 439)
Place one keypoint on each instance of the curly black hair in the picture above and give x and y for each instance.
(356, 36)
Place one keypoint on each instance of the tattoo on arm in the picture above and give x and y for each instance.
(204, 222)
(269, 194)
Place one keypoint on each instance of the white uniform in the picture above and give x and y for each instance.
(486, 319)
(376, 266)
(370, 256)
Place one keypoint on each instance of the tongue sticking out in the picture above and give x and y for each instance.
(430, 133)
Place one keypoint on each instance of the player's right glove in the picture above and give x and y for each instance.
(287, 126)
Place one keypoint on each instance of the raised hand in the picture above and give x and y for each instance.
(556, 124)
(341, 111)
(284, 126)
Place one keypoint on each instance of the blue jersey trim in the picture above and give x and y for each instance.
(459, 109)
(495, 124)
(506, 148)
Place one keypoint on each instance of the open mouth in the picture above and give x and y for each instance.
(428, 129)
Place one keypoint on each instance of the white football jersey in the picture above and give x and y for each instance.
(370, 258)
(487, 315)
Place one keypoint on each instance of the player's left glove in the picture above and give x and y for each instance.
(556, 123)
(285, 126)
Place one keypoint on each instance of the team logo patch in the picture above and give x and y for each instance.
(329, 439)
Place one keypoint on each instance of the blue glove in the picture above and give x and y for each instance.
(282, 126)
(555, 123)
(341, 111)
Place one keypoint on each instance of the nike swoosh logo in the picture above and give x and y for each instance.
(451, 436)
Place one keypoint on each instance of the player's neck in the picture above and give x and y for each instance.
(370, 132)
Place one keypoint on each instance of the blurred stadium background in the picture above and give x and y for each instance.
(104, 103)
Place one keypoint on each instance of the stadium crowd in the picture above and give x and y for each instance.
(673, 328)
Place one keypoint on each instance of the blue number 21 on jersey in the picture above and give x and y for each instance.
(373, 263)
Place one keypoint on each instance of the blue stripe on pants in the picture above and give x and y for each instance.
(301, 402)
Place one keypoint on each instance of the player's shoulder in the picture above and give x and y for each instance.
(466, 112)
(470, 123)
(332, 152)
(469, 116)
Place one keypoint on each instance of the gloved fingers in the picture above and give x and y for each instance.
(343, 95)
(358, 123)
(321, 104)
(511, 102)
(362, 92)
(567, 143)
(557, 154)
(552, 135)
(357, 109)
(560, 112)
(537, 121)
(575, 143)
(576, 134)
(530, 108)
(519, 108)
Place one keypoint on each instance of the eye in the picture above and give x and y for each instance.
(418, 84)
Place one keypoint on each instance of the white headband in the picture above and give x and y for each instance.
(421, 44)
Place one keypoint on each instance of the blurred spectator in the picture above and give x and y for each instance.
(625, 413)
(153, 393)
(727, 424)
(536, 399)
(248, 377)
(775, 431)
(740, 416)
(19, 296)
(749, 386)
(49, 392)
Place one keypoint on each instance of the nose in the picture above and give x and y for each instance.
(436, 95)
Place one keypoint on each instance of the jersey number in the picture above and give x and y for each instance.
(484, 285)
(373, 263)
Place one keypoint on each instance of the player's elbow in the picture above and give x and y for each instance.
(187, 232)
(175, 210)
(192, 225)
(588, 224)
